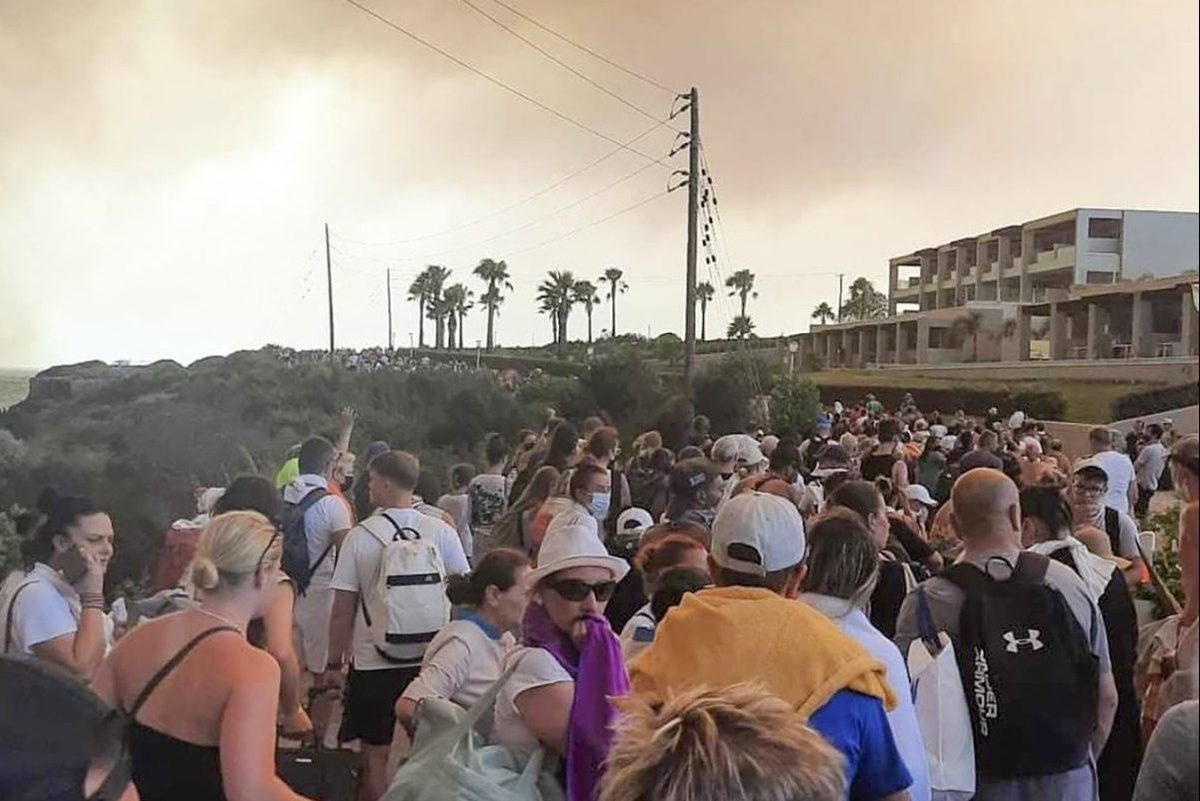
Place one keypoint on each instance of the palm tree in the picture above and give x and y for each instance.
(495, 274)
(704, 293)
(558, 293)
(616, 287)
(742, 284)
(438, 310)
(435, 280)
(546, 306)
(824, 312)
(419, 291)
(458, 301)
(741, 327)
(585, 293)
(968, 325)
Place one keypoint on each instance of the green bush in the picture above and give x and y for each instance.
(1166, 562)
(723, 391)
(794, 405)
(1153, 401)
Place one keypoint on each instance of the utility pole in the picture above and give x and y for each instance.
(841, 278)
(329, 282)
(689, 354)
(391, 341)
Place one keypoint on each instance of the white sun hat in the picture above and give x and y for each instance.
(572, 541)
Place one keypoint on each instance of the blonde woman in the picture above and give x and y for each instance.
(709, 745)
(203, 701)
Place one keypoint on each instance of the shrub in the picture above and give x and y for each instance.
(1153, 401)
(723, 391)
(1166, 562)
(794, 405)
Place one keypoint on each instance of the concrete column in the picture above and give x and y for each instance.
(901, 343)
(923, 341)
(1189, 325)
(830, 351)
(893, 285)
(943, 264)
(881, 352)
(960, 271)
(1027, 257)
(1058, 332)
(928, 279)
(1024, 334)
(848, 341)
(864, 345)
(1141, 327)
(1097, 331)
(981, 264)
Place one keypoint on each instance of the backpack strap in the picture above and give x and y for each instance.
(1031, 567)
(173, 663)
(1112, 527)
(8, 623)
(966, 577)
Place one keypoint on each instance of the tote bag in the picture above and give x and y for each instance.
(449, 761)
(941, 706)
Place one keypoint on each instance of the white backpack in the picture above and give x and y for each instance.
(407, 605)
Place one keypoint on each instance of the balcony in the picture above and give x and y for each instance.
(1060, 257)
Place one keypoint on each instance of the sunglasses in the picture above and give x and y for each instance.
(575, 590)
(1089, 489)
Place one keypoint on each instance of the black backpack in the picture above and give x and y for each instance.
(1112, 527)
(295, 540)
(1029, 675)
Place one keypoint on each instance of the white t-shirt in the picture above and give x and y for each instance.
(903, 718)
(358, 566)
(48, 608)
(536, 667)
(1120, 476)
(1151, 462)
(488, 493)
(461, 664)
(638, 633)
(323, 518)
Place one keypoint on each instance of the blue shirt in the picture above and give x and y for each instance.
(857, 725)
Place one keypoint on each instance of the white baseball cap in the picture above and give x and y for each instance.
(572, 540)
(757, 533)
(918, 493)
(749, 451)
(725, 449)
(1083, 464)
(634, 521)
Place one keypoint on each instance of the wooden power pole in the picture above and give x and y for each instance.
(689, 357)
(391, 341)
(329, 283)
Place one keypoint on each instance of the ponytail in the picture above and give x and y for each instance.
(498, 568)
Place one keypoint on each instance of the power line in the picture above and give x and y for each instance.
(511, 206)
(535, 46)
(505, 86)
(627, 209)
(585, 49)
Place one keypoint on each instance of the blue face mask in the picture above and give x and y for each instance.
(598, 507)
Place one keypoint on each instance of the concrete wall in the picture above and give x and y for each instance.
(1167, 371)
(1160, 243)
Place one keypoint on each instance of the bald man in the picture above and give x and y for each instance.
(987, 518)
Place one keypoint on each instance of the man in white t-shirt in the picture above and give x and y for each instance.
(1151, 461)
(1122, 489)
(326, 522)
(488, 494)
(375, 681)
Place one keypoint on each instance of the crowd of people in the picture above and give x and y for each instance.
(898, 605)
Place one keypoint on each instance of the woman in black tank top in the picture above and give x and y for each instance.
(202, 701)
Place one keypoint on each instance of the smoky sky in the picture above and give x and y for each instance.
(166, 166)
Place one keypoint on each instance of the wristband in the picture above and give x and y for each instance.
(91, 600)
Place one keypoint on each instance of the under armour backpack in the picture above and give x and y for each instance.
(295, 540)
(1028, 672)
(407, 605)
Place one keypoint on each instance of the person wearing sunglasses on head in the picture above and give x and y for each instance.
(568, 666)
(202, 701)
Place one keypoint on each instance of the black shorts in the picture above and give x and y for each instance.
(369, 703)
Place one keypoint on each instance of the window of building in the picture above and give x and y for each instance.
(1102, 228)
(1101, 277)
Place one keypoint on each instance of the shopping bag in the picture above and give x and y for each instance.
(941, 706)
(449, 761)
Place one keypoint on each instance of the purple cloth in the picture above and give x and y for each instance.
(599, 672)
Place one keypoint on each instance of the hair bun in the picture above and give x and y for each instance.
(205, 575)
